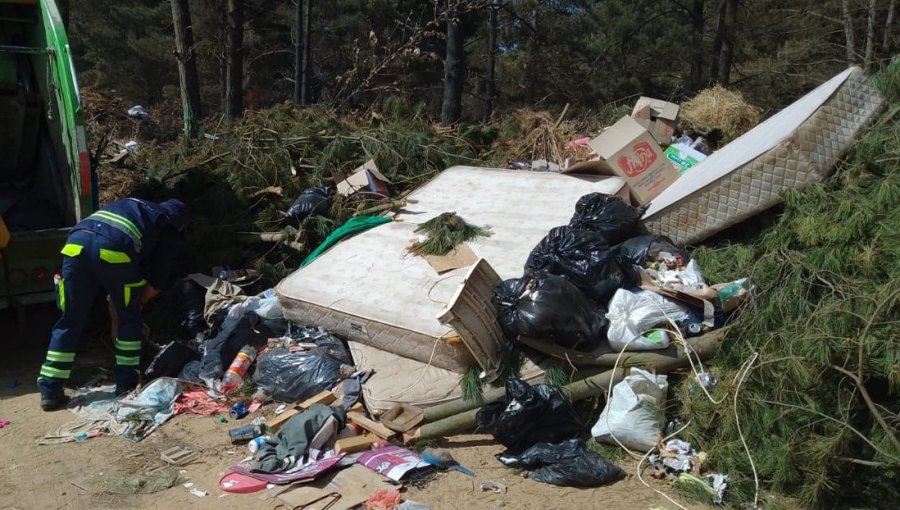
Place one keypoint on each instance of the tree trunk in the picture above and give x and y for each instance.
(870, 36)
(726, 58)
(697, 25)
(187, 67)
(848, 32)
(888, 25)
(490, 81)
(298, 52)
(234, 71)
(306, 62)
(222, 58)
(531, 72)
(454, 64)
(717, 42)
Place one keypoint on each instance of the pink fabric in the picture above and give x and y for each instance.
(196, 401)
(4, 423)
(579, 142)
(383, 499)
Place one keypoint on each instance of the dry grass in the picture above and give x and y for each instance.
(718, 107)
(539, 137)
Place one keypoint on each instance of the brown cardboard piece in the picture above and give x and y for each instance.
(365, 177)
(658, 117)
(355, 484)
(692, 299)
(629, 151)
(461, 256)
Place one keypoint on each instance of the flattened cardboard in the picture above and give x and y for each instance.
(629, 151)
(366, 177)
(461, 256)
(687, 298)
(355, 484)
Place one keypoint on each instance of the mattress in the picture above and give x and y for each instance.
(368, 289)
(795, 147)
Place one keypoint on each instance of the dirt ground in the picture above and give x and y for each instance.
(92, 474)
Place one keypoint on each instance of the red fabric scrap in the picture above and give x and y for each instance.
(196, 401)
(383, 499)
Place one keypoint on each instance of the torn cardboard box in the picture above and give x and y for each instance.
(366, 177)
(658, 117)
(629, 151)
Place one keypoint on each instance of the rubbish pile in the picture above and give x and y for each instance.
(395, 328)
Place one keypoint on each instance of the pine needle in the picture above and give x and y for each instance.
(444, 233)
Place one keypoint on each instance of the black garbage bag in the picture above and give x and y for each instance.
(311, 202)
(170, 360)
(539, 413)
(608, 215)
(570, 463)
(584, 258)
(638, 250)
(295, 376)
(193, 299)
(549, 308)
(331, 344)
(254, 331)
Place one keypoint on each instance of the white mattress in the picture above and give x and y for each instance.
(368, 289)
(794, 147)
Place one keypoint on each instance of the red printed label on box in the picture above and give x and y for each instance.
(642, 157)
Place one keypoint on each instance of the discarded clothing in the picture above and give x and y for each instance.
(221, 294)
(4, 423)
(170, 361)
(198, 401)
(383, 499)
(149, 409)
(289, 446)
(570, 464)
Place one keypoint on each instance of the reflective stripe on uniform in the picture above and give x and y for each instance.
(114, 257)
(61, 294)
(129, 286)
(62, 357)
(128, 361)
(128, 346)
(120, 223)
(72, 250)
(54, 372)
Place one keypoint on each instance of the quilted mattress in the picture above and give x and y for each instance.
(797, 146)
(369, 289)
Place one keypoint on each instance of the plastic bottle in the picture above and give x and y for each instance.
(238, 369)
(256, 442)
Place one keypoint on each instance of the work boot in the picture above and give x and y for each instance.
(53, 400)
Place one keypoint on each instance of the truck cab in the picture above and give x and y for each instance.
(46, 182)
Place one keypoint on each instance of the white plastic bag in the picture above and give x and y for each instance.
(634, 412)
(632, 314)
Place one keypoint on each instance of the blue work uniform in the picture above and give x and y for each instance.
(120, 249)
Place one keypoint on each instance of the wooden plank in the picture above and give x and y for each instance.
(372, 426)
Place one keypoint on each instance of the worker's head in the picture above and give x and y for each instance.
(176, 212)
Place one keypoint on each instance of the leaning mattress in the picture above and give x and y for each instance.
(369, 289)
(797, 146)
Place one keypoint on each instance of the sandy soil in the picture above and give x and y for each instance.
(81, 475)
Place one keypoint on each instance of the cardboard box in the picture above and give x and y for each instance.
(629, 151)
(365, 178)
(659, 118)
(684, 157)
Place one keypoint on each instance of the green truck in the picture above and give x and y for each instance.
(46, 181)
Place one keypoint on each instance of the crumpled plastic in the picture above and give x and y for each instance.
(149, 409)
(632, 314)
(676, 456)
(584, 258)
(198, 401)
(632, 415)
(570, 463)
(608, 215)
(529, 415)
(294, 376)
(549, 308)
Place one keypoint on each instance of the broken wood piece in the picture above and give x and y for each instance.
(276, 422)
(355, 444)
(178, 456)
(326, 397)
(371, 425)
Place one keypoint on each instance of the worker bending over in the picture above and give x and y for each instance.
(128, 249)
